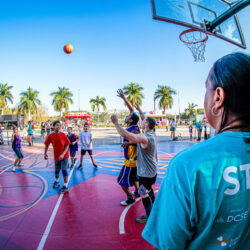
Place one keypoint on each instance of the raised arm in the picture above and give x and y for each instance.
(135, 138)
(128, 104)
(140, 111)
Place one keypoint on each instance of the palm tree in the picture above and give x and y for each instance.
(61, 99)
(165, 96)
(97, 103)
(191, 109)
(5, 95)
(133, 92)
(29, 101)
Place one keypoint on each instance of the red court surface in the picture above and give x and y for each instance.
(33, 215)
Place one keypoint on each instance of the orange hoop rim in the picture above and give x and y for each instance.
(193, 30)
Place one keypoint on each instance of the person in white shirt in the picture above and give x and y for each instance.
(86, 140)
(1, 137)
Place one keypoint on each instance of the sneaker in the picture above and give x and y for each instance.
(71, 166)
(130, 200)
(95, 165)
(13, 168)
(142, 219)
(20, 165)
(135, 193)
(56, 184)
(80, 166)
(64, 189)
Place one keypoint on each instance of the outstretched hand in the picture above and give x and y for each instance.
(120, 93)
(114, 119)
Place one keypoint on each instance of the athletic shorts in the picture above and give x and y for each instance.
(127, 176)
(147, 182)
(18, 152)
(83, 151)
(172, 129)
(72, 153)
(61, 165)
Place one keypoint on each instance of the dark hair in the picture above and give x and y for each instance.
(70, 128)
(232, 73)
(55, 122)
(135, 119)
(86, 124)
(151, 122)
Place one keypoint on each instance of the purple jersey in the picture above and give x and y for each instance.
(17, 141)
(73, 138)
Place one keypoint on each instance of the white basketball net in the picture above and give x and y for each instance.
(196, 42)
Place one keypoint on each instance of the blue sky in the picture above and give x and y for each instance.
(115, 42)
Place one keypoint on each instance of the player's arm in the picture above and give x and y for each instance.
(12, 138)
(77, 140)
(47, 142)
(127, 143)
(140, 111)
(127, 102)
(135, 138)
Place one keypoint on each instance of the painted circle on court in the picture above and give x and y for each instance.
(19, 191)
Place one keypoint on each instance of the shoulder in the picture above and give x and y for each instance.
(195, 158)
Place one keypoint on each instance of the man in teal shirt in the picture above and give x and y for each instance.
(204, 200)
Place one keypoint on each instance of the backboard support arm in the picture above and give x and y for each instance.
(210, 26)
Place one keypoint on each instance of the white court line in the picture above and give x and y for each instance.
(53, 215)
(5, 169)
(123, 215)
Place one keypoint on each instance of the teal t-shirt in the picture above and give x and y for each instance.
(204, 199)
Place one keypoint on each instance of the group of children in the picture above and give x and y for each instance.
(65, 146)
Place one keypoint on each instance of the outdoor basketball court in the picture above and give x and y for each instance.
(89, 216)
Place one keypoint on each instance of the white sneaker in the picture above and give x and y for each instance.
(127, 202)
(20, 165)
(13, 168)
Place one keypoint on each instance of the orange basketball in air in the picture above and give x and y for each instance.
(68, 48)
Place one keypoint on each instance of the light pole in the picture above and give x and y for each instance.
(179, 105)
(79, 98)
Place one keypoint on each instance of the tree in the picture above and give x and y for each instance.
(98, 102)
(191, 109)
(133, 93)
(61, 99)
(164, 94)
(5, 95)
(41, 114)
(29, 101)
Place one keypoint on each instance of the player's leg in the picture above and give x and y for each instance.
(125, 180)
(20, 156)
(64, 167)
(148, 197)
(92, 158)
(57, 171)
(83, 152)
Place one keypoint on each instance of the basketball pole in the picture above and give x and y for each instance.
(210, 26)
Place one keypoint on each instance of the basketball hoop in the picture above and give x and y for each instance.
(195, 40)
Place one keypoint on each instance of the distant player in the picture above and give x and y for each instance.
(73, 147)
(17, 148)
(30, 133)
(60, 144)
(86, 145)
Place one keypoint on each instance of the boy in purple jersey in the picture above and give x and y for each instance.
(73, 147)
(128, 174)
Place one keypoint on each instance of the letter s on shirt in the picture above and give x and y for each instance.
(227, 178)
